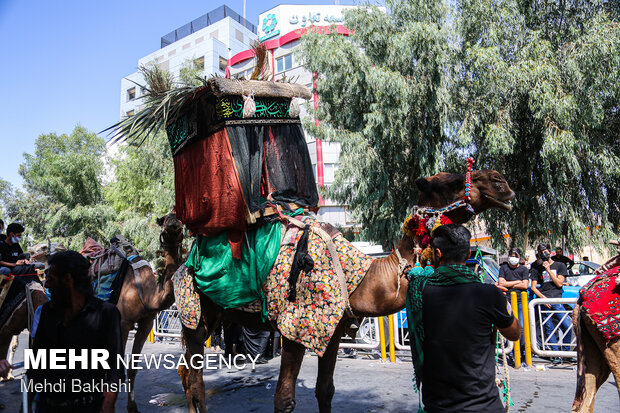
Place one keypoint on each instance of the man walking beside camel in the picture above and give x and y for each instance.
(453, 317)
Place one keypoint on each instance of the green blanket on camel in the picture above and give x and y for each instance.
(231, 282)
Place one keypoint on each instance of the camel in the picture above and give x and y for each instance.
(597, 356)
(140, 302)
(18, 322)
(377, 295)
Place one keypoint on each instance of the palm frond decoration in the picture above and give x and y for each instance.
(162, 101)
(262, 70)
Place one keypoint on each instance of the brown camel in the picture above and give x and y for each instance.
(139, 302)
(17, 323)
(596, 355)
(376, 295)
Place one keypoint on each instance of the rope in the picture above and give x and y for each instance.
(402, 266)
(335, 260)
(507, 388)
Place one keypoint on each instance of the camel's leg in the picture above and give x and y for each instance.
(144, 328)
(11, 355)
(612, 354)
(292, 357)
(592, 371)
(192, 380)
(324, 389)
(12, 328)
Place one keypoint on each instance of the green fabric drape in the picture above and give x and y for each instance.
(444, 275)
(230, 282)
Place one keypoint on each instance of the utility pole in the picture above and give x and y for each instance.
(244, 9)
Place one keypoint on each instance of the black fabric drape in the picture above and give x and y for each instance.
(279, 151)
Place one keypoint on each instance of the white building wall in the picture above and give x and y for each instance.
(223, 39)
(289, 18)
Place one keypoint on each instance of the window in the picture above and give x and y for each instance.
(131, 93)
(199, 63)
(214, 34)
(284, 63)
(143, 91)
(223, 64)
(239, 35)
(131, 113)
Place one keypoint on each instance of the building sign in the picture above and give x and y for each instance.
(269, 25)
(285, 18)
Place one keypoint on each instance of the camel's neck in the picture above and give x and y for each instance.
(171, 258)
(164, 296)
(379, 294)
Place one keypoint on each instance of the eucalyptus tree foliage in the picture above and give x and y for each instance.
(539, 92)
(384, 96)
(65, 168)
(144, 178)
(527, 87)
(64, 199)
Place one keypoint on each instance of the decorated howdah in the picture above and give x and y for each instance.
(239, 152)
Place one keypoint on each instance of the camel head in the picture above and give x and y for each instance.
(171, 230)
(489, 189)
(41, 252)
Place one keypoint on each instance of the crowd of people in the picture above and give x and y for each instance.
(450, 303)
(545, 277)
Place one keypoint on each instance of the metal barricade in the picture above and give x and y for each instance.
(559, 327)
(401, 334)
(167, 324)
(367, 337)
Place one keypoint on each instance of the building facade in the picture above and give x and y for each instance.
(220, 41)
(280, 29)
(206, 42)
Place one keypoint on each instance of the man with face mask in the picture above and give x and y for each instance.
(453, 317)
(75, 319)
(11, 253)
(547, 282)
(515, 277)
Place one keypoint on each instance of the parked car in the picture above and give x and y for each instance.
(581, 273)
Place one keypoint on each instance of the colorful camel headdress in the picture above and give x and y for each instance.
(424, 220)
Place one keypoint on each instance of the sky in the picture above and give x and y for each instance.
(62, 61)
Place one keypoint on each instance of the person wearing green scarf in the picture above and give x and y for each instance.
(452, 321)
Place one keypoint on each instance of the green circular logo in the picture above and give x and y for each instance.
(269, 23)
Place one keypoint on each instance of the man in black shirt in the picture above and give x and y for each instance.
(515, 277)
(75, 319)
(10, 250)
(454, 326)
(560, 257)
(547, 281)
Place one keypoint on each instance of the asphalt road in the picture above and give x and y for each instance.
(362, 385)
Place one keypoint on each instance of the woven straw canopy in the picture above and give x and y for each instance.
(260, 88)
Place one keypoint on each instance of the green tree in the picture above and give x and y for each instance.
(64, 201)
(66, 168)
(384, 95)
(144, 178)
(538, 92)
(527, 87)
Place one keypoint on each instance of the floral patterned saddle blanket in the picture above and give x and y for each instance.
(601, 299)
(312, 317)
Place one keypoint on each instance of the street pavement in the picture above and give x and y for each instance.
(365, 384)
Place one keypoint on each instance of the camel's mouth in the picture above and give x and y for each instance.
(505, 205)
